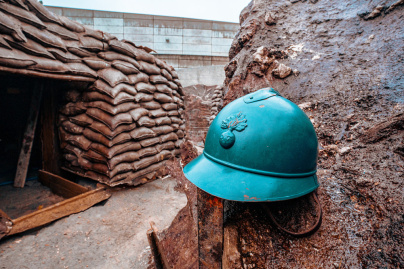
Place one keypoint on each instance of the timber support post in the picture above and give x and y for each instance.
(210, 230)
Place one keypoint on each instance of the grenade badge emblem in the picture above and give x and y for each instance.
(233, 122)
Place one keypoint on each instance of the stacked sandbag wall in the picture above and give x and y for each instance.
(129, 121)
(216, 103)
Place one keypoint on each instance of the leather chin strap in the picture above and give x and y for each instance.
(307, 232)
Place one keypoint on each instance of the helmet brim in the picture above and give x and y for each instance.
(237, 185)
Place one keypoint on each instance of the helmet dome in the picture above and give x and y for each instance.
(260, 147)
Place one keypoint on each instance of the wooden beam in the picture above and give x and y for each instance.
(65, 208)
(49, 134)
(28, 141)
(5, 224)
(210, 230)
(60, 186)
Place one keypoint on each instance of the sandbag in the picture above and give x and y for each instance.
(120, 168)
(72, 25)
(42, 12)
(172, 85)
(103, 87)
(165, 73)
(97, 96)
(176, 120)
(145, 87)
(143, 97)
(72, 95)
(96, 176)
(164, 89)
(145, 162)
(165, 146)
(127, 157)
(170, 106)
(146, 122)
(137, 113)
(43, 37)
(158, 79)
(149, 142)
(173, 113)
(96, 63)
(149, 69)
(48, 66)
(73, 150)
(125, 67)
(142, 133)
(178, 143)
(176, 152)
(101, 139)
(115, 150)
(150, 151)
(30, 47)
(163, 121)
(151, 105)
(112, 121)
(65, 57)
(94, 156)
(3, 43)
(164, 129)
(168, 137)
(136, 178)
(107, 132)
(112, 76)
(162, 98)
(122, 47)
(180, 134)
(80, 52)
(136, 78)
(72, 128)
(82, 120)
(141, 55)
(64, 33)
(70, 158)
(112, 56)
(91, 44)
(113, 110)
(97, 34)
(22, 15)
(15, 59)
(157, 113)
(175, 126)
(72, 109)
(81, 70)
(19, 3)
(165, 155)
(76, 140)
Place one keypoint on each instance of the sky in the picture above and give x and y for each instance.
(217, 10)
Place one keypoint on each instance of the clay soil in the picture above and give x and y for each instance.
(342, 63)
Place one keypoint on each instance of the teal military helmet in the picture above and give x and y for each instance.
(260, 147)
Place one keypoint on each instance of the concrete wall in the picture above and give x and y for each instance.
(166, 35)
(205, 75)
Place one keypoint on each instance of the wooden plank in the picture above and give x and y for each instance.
(210, 230)
(70, 206)
(28, 141)
(5, 224)
(60, 186)
(49, 134)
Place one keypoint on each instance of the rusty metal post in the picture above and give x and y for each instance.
(210, 230)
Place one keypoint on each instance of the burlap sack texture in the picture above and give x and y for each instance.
(128, 122)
